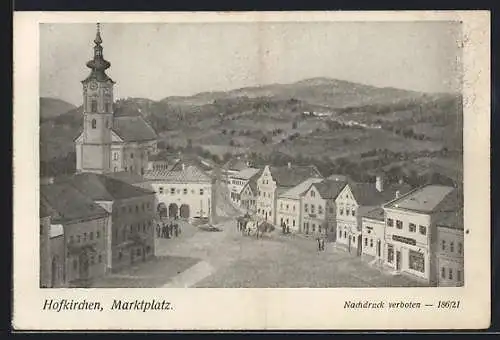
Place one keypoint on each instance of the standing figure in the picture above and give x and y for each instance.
(319, 244)
(158, 231)
(176, 230)
(288, 229)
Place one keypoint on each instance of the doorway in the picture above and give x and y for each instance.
(398, 260)
(184, 211)
(378, 248)
(360, 249)
(84, 267)
(172, 210)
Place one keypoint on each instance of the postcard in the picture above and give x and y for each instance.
(251, 171)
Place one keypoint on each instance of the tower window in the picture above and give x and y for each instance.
(93, 105)
(108, 107)
(94, 123)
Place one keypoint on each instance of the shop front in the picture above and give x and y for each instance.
(406, 256)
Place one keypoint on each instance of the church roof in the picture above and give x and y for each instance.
(133, 129)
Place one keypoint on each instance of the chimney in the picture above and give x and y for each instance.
(397, 193)
(289, 165)
(379, 183)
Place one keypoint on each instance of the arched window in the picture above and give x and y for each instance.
(94, 123)
(93, 105)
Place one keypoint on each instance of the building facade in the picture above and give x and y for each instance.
(289, 205)
(237, 181)
(411, 233)
(373, 235)
(185, 191)
(319, 208)
(276, 180)
(450, 249)
(83, 224)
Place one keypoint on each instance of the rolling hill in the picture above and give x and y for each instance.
(270, 118)
(53, 107)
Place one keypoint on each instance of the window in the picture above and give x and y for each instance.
(108, 107)
(125, 169)
(459, 275)
(312, 209)
(172, 191)
(452, 247)
(293, 207)
(91, 259)
(313, 193)
(120, 255)
(94, 124)
(450, 274)
(293, 223)
(319, 229)
(93, 106)
(287, 206)
(131, 155)
(306, 208)
(185, 191)
(160, 189)
(399, 224)
(460, 248)
(115, 169)
(390, 222)
(100, 258)
(71, 239)
(341, 211)
(115, 156)
(78, 238)
(97, 234)
(371, 243)
(345, 234)
(314, 227)
(390, 253)
(320, 209)
(353, 212)
(91, 235)
(340, 233)
(75, 264)
(330, 210)
(354, 239)
(422, 229)
(416, 261)
(84, 236)
(366, 241)
(412, 227)
(443, 273)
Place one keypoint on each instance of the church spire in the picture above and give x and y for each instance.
(98, 65)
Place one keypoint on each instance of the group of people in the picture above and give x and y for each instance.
(285, 228)
(168, 230)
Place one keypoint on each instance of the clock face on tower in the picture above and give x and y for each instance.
(93, 85)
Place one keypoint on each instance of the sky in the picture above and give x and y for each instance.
(175, 59)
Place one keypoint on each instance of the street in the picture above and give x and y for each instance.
(228, 259)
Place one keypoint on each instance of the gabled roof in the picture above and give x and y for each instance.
(127, 177)
(366, 194)
(69, 204)
(246, 173)
(104, 188)
(301, 188)
(133, 129)
(330, 188)
(428, 199)
(375, 214)
(290, 176)
(252, 182)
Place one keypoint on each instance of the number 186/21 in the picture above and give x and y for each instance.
(449, 304)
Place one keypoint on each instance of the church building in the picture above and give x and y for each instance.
(109, 143)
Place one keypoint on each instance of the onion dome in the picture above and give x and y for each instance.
(98, 65)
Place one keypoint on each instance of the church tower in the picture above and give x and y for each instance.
(95, 155)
